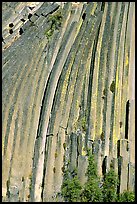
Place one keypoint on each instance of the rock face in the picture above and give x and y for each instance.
(68, 81)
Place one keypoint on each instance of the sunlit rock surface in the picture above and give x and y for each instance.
(68, 83)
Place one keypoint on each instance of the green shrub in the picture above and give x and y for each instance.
(92, 166)
(49, 33)
(71, 189)
(110, 186)
(56, 21)
(91, 192)
(126, 196)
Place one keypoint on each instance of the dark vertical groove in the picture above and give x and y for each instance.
(128, 175)
(127, 119)
(102, 6)
(118, 148)
(44, 169)
(119, 173)
(78, 143)
(90, 84)
(104, 166)
(42, 110)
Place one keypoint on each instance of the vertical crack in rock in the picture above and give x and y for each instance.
(44, 171)
(127, 120)
(90, 84)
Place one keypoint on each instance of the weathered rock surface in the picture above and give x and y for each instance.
(68, 79)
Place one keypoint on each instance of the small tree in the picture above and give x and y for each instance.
(92, 192)
(71, 188)
(92, 166)
(110, 186)
(126, 196)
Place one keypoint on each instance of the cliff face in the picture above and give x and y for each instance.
(68, 80)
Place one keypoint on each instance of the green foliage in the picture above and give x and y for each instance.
(56, 21)
(83, 123)
(92, 192)
(92, 167)
(112, 87)
(49, 33)
(110, 186)
(71, 188)
(126, 196)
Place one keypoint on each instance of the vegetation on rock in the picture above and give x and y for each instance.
(83, 123)
(110, 186)
(126, 196)
(91, 191)
(71, 188)
(94, 190)
(55, 20)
